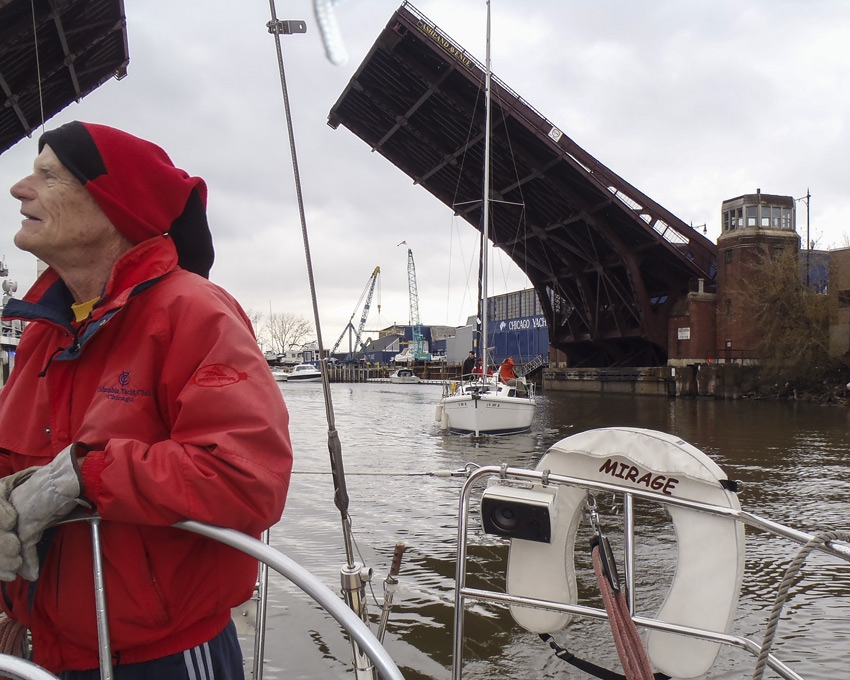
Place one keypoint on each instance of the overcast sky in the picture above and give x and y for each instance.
(692, 102)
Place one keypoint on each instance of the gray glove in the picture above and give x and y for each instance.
(45, 498)
(10, 544)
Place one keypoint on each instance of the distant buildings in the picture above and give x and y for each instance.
(516, 328)
(10, 331)
(710, 325)
(706, 326)
(839, 288)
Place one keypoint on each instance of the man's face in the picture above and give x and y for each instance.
(62, 222)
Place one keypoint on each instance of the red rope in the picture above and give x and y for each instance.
(12, 639)
(630, 647)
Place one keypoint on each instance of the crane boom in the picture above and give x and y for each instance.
(414, 294)
(418, 339)
(358, 332)
(373, 279)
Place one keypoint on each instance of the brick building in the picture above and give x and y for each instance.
(710, 324)
(839, 329)
(755, 226)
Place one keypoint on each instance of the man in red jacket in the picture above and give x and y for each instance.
(138, 391)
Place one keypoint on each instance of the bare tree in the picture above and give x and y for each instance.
(793, 321)
(282, 331)
(256, 319)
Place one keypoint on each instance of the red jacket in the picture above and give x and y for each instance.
(168, 387)
(506, 370)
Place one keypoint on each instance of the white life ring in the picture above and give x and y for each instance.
(710, 566)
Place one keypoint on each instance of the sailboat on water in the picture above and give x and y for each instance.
(486, 404)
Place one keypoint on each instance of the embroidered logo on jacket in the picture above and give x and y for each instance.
(217, 375)
(125, 392)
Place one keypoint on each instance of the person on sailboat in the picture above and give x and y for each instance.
(506, 370)
(508, 375)
(468, 365)
(479, 368)
(139, 392)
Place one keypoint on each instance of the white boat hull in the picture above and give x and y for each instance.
(493, 412)
(404, 376)
(304, 373)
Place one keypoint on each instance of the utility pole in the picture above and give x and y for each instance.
(808, 238)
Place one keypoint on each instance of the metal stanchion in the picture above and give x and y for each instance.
(104, 645)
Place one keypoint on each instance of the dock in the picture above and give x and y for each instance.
(349, 374)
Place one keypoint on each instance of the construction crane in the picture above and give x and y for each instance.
(357, 346)
(419, 352)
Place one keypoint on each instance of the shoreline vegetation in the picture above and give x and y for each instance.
(794, 325)
(830, 387)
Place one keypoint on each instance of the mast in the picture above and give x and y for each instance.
(485, 208)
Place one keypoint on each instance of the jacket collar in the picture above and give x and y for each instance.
(140, 267)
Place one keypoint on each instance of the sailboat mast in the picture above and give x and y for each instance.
(485, 211)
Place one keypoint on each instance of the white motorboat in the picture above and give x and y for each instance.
(404, 376)
(304, 373)
(280, 374)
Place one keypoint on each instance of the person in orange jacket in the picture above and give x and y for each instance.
(506, 370)
(138, 391)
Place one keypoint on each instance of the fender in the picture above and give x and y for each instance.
(710, 561)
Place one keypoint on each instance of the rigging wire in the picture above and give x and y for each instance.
(334, 445)
(386, 473)
(485, 205)
(519, 232)
(467, 271)
(455, 204)
(522, 225)
(37, 64)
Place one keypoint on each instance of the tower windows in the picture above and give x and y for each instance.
(758, 211)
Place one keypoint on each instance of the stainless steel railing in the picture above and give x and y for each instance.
(274, 559)
(463, 593)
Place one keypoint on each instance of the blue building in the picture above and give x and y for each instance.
(517, 327)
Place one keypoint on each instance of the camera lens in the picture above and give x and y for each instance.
(504, 518)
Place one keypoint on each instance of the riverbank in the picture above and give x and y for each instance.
(722, 381)
(831, 389)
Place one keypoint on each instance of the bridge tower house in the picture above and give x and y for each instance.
(754, 226)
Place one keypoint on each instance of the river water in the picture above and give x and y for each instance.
(792, 459)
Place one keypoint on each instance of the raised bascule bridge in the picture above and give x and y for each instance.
(607, 262)
(55, 57)
(51, 55)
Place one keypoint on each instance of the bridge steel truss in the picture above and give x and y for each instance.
(606, 261)
(60, 55)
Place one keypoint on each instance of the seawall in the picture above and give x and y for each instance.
(725, 381)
